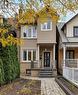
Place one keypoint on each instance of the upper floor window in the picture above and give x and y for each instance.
(75, 31)
(29, 32)
(46, 26)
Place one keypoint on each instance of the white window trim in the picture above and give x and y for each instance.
(27, 55)
(23, 29)
(46, 28)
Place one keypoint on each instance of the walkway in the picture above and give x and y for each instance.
(48, 86)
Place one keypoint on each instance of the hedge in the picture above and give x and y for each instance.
(1, 73)
(11, 65)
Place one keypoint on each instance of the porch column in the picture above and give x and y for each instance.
(38, 55)
(64, 54)
(54, 52)
(54, 63)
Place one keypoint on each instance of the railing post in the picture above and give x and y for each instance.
(72, 74)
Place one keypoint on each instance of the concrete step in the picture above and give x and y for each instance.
(45, 73)
(45, 76)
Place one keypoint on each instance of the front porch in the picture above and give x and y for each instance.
(46, 56)
(69, 63)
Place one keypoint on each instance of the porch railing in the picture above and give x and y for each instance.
(70, 70)
(73, 63)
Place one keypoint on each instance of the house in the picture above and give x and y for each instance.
(37, 53)
(68, 49)
(1, 19)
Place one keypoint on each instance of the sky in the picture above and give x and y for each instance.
(67, 17)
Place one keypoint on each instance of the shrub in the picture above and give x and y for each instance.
(1, 72)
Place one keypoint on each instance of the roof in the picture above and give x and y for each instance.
(63, 37)
(69, 21)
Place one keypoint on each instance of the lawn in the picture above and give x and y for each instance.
(22, 87)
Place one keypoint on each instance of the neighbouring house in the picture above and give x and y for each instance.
(68, 49)
(37, 53)
(1, 19)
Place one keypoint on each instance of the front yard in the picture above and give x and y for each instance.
(22, 87)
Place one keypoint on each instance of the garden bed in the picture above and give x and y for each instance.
(67, 86)
(22, 87)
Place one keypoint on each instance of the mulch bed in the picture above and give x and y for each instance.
(22, 87)
(70, 86)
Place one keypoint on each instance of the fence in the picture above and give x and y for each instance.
(70, 70)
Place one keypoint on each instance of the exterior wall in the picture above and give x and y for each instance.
(60, 60)
(11, 21)
(23, 67)
(73, 22)
(46, 36)
(26, 44)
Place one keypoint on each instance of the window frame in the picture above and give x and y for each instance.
(25, 30)
(27, 50)
(74, 31)
(69, 54)
(46, 26)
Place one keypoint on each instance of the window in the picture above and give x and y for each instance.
(34, 32)
(70, 54)
(24, 55)
(29, 32)
(29, 55)
(24, 34)
(46, 26)
(34, 55)
(75, 31)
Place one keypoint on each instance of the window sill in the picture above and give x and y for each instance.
(27, 61)
(28, 38)
(46, 29)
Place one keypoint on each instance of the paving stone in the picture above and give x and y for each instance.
(50, 87)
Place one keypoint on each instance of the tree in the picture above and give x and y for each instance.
(30, 10)
(11, 64)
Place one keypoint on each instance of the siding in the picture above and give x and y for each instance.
(46, 36)
(73, 22)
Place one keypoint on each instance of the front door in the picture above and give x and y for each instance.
(46, 59)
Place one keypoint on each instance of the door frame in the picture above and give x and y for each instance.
(43, 59)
